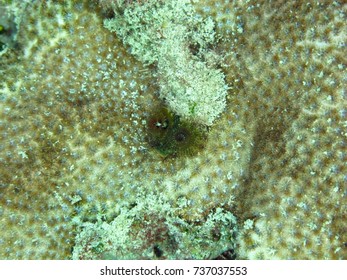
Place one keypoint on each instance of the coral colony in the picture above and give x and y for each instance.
(176, 129)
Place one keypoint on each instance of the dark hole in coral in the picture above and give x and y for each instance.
(216, 234)
(2, 46)
(132, 205)
(227, 255)
(157, 251)
(194, 48)
(5, 31)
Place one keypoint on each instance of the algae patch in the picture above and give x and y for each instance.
(171, 36)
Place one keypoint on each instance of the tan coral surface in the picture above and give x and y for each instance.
(74, 105)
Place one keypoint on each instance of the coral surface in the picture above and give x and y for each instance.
(77, 168)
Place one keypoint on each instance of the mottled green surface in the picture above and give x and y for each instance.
(75, 161)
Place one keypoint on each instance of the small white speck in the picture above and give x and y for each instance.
(23, 154)
(248, 224)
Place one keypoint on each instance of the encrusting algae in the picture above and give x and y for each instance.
(236, 144)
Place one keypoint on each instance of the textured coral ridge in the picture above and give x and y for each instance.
(73, 121)
(74, 105)
(290, 60)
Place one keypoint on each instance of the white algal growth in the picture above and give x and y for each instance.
(154, 223)
(172, 36)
